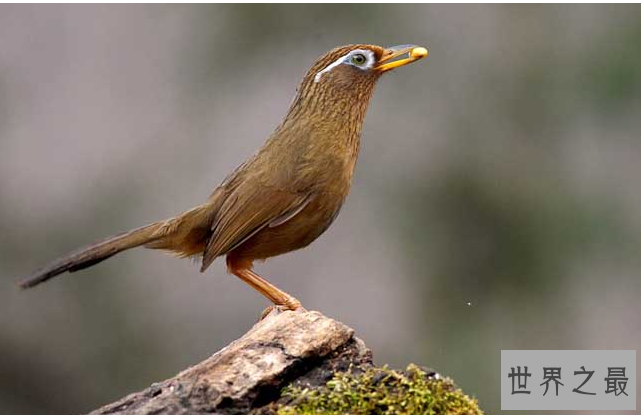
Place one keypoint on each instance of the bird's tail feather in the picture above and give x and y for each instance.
(93, 254)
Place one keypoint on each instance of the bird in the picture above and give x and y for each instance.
(284, 196)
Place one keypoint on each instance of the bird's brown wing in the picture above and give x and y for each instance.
(244, 213)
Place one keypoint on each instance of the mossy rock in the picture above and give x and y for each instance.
(379, 391)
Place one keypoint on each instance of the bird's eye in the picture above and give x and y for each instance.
(358, 59)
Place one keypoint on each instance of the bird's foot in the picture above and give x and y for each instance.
(274, 310)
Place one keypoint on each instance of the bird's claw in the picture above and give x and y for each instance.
(274, 310)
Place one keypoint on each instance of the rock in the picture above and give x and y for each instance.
(283, 358)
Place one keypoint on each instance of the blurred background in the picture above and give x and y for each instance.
(496, 202)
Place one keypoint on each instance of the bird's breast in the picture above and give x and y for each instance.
(328, 166)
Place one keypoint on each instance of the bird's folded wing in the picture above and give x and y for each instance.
(243, 214)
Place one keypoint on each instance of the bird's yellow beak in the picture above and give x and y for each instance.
(400, 55)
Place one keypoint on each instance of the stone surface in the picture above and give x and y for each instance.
(249, 373)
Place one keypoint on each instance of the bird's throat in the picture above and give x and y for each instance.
(334, 116)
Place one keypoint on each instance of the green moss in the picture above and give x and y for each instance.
(380, 391)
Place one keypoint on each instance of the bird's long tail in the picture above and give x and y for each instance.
(185, 235)
(93, 254)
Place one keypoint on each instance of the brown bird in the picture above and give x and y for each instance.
(287, 194)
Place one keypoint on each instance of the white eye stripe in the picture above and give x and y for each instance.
(369, 55)
(330, 67)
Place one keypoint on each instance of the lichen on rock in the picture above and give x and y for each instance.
(379, 391)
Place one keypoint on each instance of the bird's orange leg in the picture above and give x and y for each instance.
(242, 269)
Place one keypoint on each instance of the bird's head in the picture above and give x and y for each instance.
(349, 66)
(335, 92)
(343, 79)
